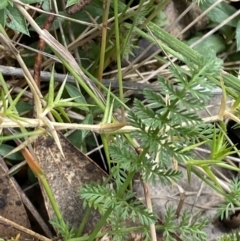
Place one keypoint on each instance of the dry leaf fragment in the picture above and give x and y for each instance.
(11, 207)
(66, 175)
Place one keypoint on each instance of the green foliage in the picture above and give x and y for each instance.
(188, 230)
(15, 157)
(77, 96)
(234, 236)
(3, 4)
(217, 15)
(101, 198)
(220, 13)
(194, 229)
(165, 128)
(126, 160)
(65, 231)
(232, 199)
(12, 18)
(72, 2)
(128, 34)
(168, 126)
(213, 43)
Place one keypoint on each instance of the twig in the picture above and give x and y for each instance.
(181, 201)
(41, 46)
(195, 201)
(45, 76)
(22, 229)
(77, 7)
(28, 204)
(150, 209)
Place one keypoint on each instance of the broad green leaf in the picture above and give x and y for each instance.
(23, 107)
(77, 137)
(3, 4)
(72, 2)
(220, 13)
(214, 43)
(77, 95)
(238, 35)
(5, 149)
(2, 17)
(94, 8)
(46, 6)
(16, 20)
(10, 2)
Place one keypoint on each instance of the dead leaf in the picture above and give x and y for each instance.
(66, 175)
(11, 207)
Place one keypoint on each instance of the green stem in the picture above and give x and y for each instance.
(118, 52)
(120, 193)
(110, 50)
(99, 235)
(83, 222)
(52, 200)
(88, 211)
(102, 221)
(106, 4)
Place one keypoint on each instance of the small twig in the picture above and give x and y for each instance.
(150, 209)
(41, 46)
(181, 201)
(77, 7)
(168, 198)
(28, 204)
(22, 229)
(195, 201)
(45, 76)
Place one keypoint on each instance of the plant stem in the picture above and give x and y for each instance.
(106, 4)
(99, 235)
(118, 52)
(52, 200)
(102, 221)
(83, 222)
(120, 193)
